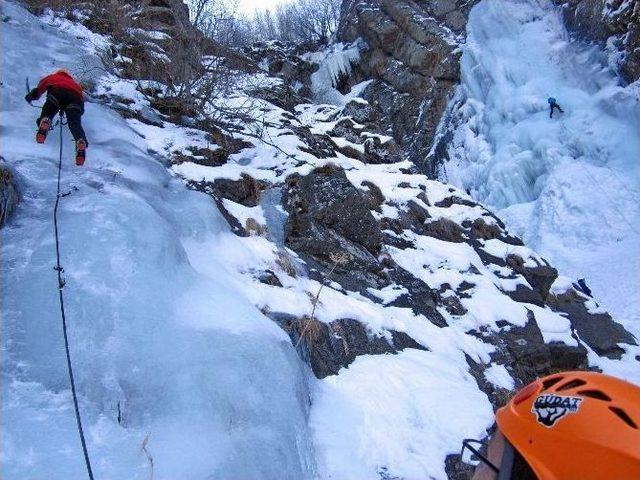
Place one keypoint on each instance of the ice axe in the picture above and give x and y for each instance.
(26, 82)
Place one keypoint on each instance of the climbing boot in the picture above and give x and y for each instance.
(81, 150)
(43, 129)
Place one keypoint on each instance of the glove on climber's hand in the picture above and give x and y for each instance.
(32, 95)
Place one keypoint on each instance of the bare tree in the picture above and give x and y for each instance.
(308, 20)
(265, 24)
(220, 21)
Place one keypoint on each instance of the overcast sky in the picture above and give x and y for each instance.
(248, 6)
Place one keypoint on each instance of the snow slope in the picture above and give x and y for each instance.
(187, 359)
(570, 186)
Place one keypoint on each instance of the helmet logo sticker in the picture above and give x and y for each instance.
(549, 408)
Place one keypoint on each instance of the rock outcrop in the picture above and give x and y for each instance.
(9, 194)
(329, 217)
(397, 240)
(284, 60)
(328, 347)
(615, 23)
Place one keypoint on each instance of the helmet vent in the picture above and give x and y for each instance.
(624, 417)
(551, 382)
(595, 394)
(571, 384)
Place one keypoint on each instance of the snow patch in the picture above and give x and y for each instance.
(499, 376)
(377, 416)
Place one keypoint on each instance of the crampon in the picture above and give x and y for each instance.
(43, 130)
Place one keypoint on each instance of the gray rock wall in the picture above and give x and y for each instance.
(411, 52)
(616, 22)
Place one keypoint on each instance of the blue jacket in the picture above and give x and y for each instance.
(551, 100)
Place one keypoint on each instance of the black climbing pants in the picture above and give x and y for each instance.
(554, 105)
(71, 104)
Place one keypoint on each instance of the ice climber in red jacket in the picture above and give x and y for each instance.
(64, 94)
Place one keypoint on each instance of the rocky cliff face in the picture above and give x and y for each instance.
(411, 51)
(152, 40)
(364, 223)
(614, 22)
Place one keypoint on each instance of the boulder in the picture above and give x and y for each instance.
(540, 277)
(523, 351)
(327, 213)
(283, 96)
(598, 330)
(149, 116)
(377, 151)
(328, 218)
(332, 346)
(360, 111)
(245, 191)
(321, 146)
(348, 129)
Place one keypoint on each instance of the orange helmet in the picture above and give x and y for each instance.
(576, 426)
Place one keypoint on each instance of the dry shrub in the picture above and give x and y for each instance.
(327, 169)
(310, 329)
(484, 230)
(444, 229)
(253, 227)
(337, 259)
(285, 262)
(39, 6)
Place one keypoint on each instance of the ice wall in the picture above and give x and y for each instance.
(569, 185)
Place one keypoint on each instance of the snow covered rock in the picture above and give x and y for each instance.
(361, 112)
(283, 95)
(333, 346)
(614, 22)
(329, 216)
(285, 60)
(593, 326)
(323, 223)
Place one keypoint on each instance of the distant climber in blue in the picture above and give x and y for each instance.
(553, 105)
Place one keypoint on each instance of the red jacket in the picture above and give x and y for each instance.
(60, 79)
